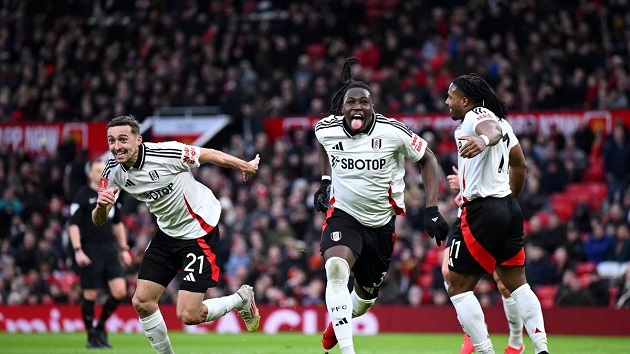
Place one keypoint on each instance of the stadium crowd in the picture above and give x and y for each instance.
(96, 61)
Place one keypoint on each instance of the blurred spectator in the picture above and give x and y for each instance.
(617, 163)
(574, 245)
(623, 301)
(538, 266)
(572, 293)
(76, 65)
(598, 244)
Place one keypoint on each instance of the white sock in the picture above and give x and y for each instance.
(359, 305)
(470, 316)
(531, 314)
(514, 320)
(156, 332)
(339, 301)
(219, 306)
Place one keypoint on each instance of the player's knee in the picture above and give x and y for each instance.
(144, 307)
(118, 292)
(337, 270)
(189, 317)
(90, 295)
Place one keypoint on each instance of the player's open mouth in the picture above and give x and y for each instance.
(356, 122)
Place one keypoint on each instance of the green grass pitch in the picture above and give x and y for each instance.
(292, 343)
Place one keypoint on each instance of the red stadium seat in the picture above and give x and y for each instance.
(562, 206)
(546, 295)
(425, 281)
(583, 268)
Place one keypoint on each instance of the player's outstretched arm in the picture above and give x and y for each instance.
(518, 170)
(222, 159)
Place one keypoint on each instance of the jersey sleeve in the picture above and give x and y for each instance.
(481, 114)
(322, 124)
(188, 155)
(412, 145)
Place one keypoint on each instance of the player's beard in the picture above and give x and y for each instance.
(453, 117)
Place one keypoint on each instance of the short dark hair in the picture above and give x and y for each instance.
(479, 91)
(125, 120)
(348, 83)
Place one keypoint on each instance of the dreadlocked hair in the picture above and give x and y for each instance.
(480, 92)
(348, 83)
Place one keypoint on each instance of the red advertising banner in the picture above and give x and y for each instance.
(34, 137)
(311, 320)
(565, 121)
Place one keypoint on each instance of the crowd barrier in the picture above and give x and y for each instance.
(312, 320)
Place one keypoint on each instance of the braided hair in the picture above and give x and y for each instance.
(480, 92)
(348, 83)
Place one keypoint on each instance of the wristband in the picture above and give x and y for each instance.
(325, 177)
(124, 248)
(485, 139)
(77, 249)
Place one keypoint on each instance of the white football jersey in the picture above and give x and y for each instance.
(485, 175)
(162, 178)
(368, 169)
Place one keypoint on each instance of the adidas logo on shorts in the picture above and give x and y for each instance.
(190, 277)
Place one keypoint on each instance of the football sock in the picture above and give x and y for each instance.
(531, 314)
(219, 306)
(339, 301)
(108, 309)
(514, 320)
(87, 312)
(470, 316)
(359, 305)
(155, 329)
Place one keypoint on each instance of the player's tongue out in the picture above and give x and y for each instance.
(356, 122)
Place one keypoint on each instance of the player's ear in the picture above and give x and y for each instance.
(139, 139)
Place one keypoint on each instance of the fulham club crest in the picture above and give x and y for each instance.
(335, 236)
(376, 144)
(154, 175)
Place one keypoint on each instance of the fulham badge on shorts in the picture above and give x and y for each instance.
(154, 175)
(335, 236)
(376, 144)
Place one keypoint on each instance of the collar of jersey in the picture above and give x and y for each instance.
(139, 162)
(367, 130)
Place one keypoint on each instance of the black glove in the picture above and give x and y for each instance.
(321, 200)
(435, 225)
